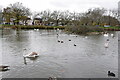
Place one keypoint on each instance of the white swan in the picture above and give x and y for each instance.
(58, 29)
(37, 29)
(112, 35)
(106, 35)
(32, 55)
(106, 45)
(86, 37)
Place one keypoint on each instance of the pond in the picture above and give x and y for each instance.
(88, 59)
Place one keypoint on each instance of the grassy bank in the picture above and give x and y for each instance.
(78, 29)
(112, 28)
(31, 27)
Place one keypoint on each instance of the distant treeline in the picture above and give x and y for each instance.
(17, 14)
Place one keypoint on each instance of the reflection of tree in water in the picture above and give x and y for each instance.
(6, 32)
(15, 38)
(1, 33)
(20, 36)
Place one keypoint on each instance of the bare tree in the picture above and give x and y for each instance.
(19, 12)
(7, 14)
(1, 15)
(93, 16)
(46, 16)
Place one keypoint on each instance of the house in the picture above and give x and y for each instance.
(37, 21)
(29, 21)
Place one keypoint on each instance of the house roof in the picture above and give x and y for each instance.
(28, 18)
(37, 19)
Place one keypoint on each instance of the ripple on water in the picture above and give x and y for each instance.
(88, 59)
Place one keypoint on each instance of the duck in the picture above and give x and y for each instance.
(69, 39)
(107, 39)
(75, 45)
(62, 42)
(32, 55)
(24, 49)
(111, 74)
(4, 68)
(58, 40)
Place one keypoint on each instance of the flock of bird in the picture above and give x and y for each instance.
(63, 42)
(106, 46)
(34, 55)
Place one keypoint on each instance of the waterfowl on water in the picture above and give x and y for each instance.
(112, 35)
(4, 68)
(106, 34)
(106, 45)
(75, 45)
(107, 39)
(86, 37)
(37, 29)
(111, 74)
(69, 40)
(58, 40)
(62, 42)
(24, 49)
(34, 29)
(32, 55)
(58, 29)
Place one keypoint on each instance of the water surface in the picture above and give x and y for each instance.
(88, 59)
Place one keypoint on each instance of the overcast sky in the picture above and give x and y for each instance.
(71, 5)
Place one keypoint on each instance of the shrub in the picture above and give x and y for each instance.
(80, 29)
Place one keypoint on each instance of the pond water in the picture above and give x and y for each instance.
(88, 59)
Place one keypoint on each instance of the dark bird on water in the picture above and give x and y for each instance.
(75, 45)
(69, 40)
(107, 39)
(58, 40)
(61, 41)
(111, 74)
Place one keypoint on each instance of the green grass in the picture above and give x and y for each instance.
(112, 27)
(32, 27)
